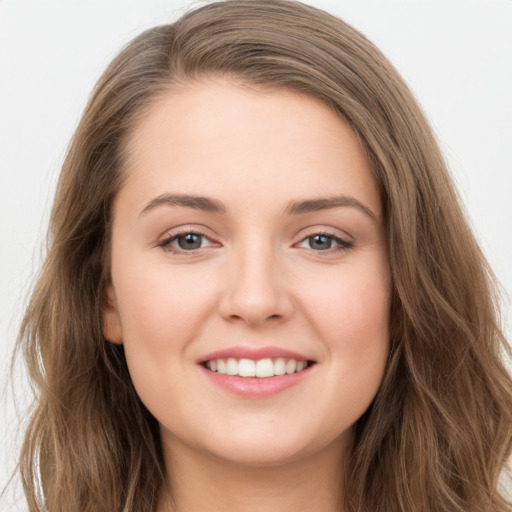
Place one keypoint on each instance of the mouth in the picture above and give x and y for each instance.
(256, 372)
(260, 368)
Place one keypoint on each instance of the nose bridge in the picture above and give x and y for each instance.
(256, 289)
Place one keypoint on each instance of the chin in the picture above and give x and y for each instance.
(260, 455)
(266, 450)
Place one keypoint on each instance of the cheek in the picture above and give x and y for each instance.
(162, 303)
(352, 317)
(354, 301)
(163, 308)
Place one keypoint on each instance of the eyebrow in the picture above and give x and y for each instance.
(294, 208)
(197, 202)
(315, 205)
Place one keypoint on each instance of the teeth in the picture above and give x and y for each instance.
(279, 366)
(301, 365)
(291, 366)
(232, 366)
(246, 368)
(221, 366)
(262, 368)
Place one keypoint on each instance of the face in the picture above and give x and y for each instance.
(250, 280)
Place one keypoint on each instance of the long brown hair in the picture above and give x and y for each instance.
(438, 433)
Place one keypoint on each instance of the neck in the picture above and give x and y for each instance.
(203, 482)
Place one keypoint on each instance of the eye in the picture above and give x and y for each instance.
(186, 242)
(324, 242)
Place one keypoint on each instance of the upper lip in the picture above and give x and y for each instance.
(255, 353)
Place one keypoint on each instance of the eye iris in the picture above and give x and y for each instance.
(189, 241)
(320, 242)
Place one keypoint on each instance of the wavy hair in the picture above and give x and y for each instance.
(439, 432)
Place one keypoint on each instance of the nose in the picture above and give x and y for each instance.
(256, 291)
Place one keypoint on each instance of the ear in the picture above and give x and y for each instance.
(111, 322)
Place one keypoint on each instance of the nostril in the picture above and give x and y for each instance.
(252, 318)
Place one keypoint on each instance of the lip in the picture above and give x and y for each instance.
(255, 353)
(254, 387)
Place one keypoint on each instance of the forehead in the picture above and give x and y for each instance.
(218, 138)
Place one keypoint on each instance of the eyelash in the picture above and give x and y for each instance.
(342, 245)
(166, 244)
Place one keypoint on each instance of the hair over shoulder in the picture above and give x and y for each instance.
(439, 432)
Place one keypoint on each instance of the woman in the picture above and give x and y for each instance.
(261, 292)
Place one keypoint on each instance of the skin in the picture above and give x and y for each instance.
(258, 279)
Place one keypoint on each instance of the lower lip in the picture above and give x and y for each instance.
(255, 387)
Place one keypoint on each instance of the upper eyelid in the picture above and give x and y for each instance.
(328, 231)
(174, 236)
(166, 241)
(166, 244)
(183, 230)
(338, 239)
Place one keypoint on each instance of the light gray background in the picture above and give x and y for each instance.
(455, 54)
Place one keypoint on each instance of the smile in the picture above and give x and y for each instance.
(256, 372)
(261, 368)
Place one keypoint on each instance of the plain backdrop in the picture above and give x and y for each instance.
(456, 56)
